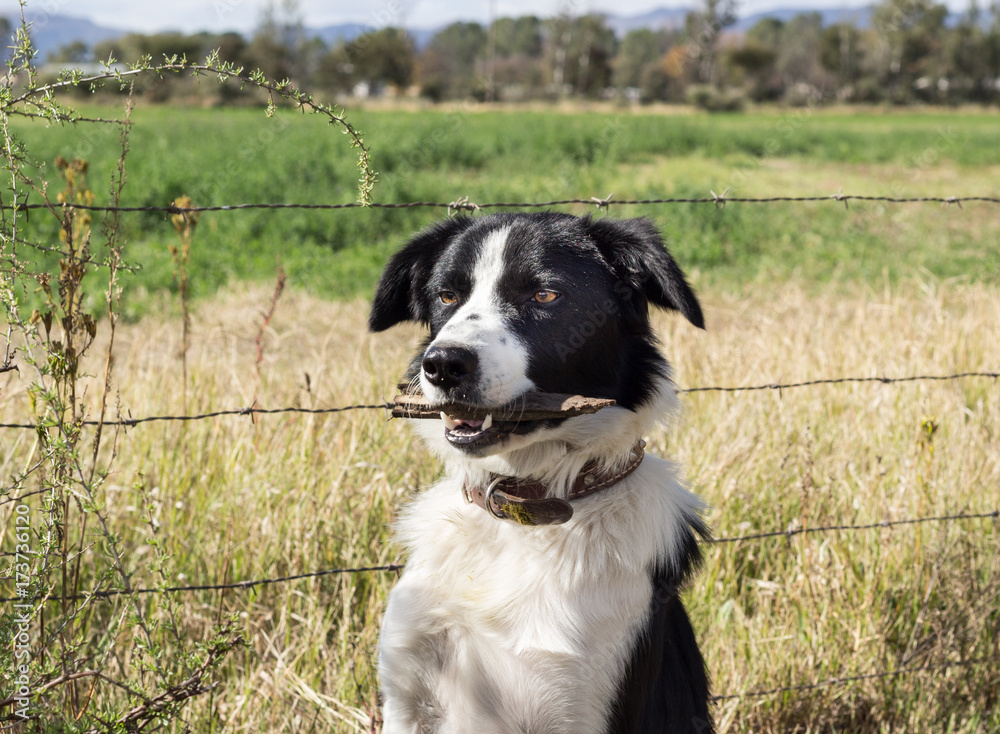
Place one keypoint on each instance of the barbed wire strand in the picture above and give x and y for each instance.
(464, 204)
(856, 678)
(842, 380)
(253, 410)
(253, 583)
(885, 524)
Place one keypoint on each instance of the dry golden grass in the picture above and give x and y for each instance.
(291, 493)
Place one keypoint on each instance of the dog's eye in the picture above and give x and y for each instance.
(447, 298)
(544, 296)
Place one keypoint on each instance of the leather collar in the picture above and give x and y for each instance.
(524, 501)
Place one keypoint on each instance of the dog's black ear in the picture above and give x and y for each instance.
(635, 249)
(399, 294)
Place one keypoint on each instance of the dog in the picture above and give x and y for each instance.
(541, 592)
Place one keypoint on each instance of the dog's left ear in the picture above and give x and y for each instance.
(635, 249)
(399, 294)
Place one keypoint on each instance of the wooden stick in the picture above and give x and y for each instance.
(532, 406)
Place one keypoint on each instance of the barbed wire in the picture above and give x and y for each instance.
(884, 524)
(253, 410)
(253, 583)
(840, 381)
(463, 203)
(856, 678)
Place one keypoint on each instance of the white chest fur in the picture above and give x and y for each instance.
(495, 627)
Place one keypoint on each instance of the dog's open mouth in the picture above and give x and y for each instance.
(478, 433)
(473, 428)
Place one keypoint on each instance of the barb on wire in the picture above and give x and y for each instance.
(463, 204)
(250, 584)
(856, 678)
(791, 533)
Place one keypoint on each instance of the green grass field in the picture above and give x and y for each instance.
(791, 292)
(222, 157)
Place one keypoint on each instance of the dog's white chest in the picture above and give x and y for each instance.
(498, 628)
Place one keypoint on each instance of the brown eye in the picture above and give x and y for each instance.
(544, 296)
(447, 297)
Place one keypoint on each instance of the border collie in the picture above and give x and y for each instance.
(541, 594)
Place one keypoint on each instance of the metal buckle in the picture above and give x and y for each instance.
(489, 496)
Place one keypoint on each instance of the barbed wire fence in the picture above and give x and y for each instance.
(463, 204)
(253, 410)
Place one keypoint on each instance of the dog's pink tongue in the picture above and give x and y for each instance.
(471, 423)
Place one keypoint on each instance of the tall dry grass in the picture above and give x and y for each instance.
(235, 499)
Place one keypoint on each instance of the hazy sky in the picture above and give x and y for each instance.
(242, 15)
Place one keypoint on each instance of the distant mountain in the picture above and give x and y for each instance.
(859, 16)
(50, 32)
(344, 32)
(332, 34)
(671, 18)
(657, 20)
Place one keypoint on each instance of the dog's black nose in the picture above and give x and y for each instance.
(447, 367)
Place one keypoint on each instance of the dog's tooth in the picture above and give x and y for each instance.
(449, 422)
(488, 422)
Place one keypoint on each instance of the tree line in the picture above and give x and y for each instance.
(901, 51)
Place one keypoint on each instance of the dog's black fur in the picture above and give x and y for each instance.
(594, 339)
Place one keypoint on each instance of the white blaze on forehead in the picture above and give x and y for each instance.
(478, 324)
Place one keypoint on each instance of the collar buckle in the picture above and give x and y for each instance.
(525, 501)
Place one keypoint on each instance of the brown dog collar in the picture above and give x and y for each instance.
(524, 501)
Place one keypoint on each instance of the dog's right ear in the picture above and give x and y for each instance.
(399, 295)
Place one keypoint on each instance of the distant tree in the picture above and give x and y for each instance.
(912, 34)
(765, 37)
(514, 55)
(384, 57)
(232, 47)
(518, 37)
(754, 64)
(276, 47)
(704, 27)
(797, 62)
(972, 58)
(991, 50)
(75, 52)
(452, 64)
(6, 31)
(639, 48)
(580, 53)
(842, 52)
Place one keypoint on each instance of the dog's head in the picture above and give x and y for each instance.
(520, 302)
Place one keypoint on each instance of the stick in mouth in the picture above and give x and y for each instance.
(412, 403)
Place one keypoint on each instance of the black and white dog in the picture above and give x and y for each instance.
(541, 593)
